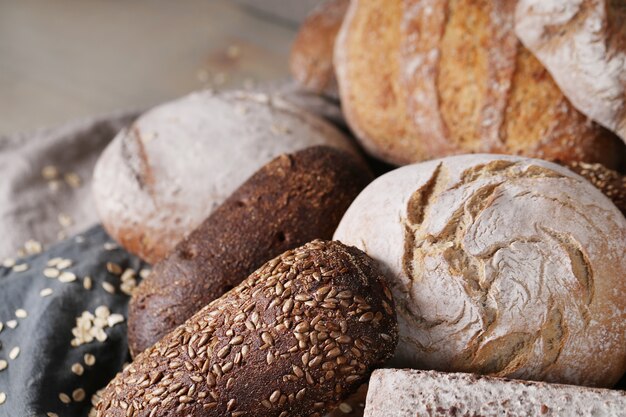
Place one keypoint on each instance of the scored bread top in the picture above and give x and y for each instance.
(499, 265)
(421, 79)
(159, 179)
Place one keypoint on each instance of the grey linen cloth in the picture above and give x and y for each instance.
(48, 210)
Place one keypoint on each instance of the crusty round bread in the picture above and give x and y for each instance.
(311, 59)
(499, 265)
(583, 45)
(428, 78)
(291, 200)
(159, 179)
(295, 338)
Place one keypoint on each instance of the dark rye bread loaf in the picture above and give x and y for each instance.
(295, 338)
(290, 201)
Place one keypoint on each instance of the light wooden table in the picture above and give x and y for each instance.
(67, 59)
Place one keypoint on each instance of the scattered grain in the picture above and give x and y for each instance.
(14, 353)
(90, 360)
(64, 220)
(51, 273)
(65, 399)
(12, 324)
(8, 263)
(3, 398)
(3, 364)
(20, 313)
(63, 263)
(78, 369)
(78, 394)
(114, 268)
(108, 287)
(20, 267)
(67, 277)
(49, 172)
(72, 179)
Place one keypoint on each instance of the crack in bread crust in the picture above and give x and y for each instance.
(511, 299)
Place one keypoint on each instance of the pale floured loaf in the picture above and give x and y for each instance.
(410, 393)
(499, 265)
(420, 79)
(583, 45)
(159, 179)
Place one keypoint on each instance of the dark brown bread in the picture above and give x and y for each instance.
(294, 339)
(611, 183)
(290, 201)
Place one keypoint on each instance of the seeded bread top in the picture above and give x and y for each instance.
(294, 338)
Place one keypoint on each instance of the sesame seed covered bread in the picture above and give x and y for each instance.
(420, 79)
(499, 265)
(611, 183)
(160, 178)
(410, 393)
(290, 201)
(293, 339)
(583, 45)
(311, 59)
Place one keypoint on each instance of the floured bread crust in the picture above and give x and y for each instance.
(500, 265)
(583, 45)
(410, 393)
(420, 79)
(158, 180)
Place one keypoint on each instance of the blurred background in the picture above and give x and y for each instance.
(67, 59)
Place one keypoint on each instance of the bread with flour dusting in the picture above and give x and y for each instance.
(159, 179)
(422, 79)
(583, 45)
(410, 393)
(500, 265)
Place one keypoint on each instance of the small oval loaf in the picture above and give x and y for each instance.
(290, 201)
(293, 339)
(158, 180)
(499, 265)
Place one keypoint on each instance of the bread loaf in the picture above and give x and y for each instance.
(293, 339)
(420, 79)
(583, 45)
(158, 180)
(409, 393)
(611, 183)
(499, 265)
(290, 201)
(311, 59)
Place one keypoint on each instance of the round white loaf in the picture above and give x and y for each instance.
(159, 179)
(499, 265)
(583, 45)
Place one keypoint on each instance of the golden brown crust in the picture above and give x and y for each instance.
(455, 80)
(311, 59)
(295, 338)
(290, 201)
